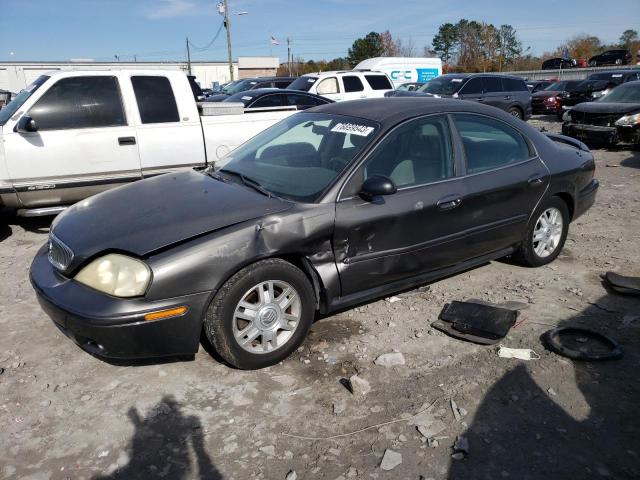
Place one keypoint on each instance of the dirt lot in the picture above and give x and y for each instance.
(65, 414)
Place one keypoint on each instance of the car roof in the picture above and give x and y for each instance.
(471, 75)
(342, 72)
(392, 110)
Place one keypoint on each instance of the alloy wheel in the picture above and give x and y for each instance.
(547, 232)
(267, 316)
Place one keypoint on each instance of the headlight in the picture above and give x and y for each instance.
(566, 116)
(628, 120)
(599, 94)
(117, 275)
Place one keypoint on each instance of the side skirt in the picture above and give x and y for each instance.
(340, 303)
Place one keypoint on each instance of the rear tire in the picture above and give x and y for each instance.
(261, 314)
(515, 112)
(546, 234)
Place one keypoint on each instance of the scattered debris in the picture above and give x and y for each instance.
(390, 359)
(393, 299)
(622, 284)
(359, 386)
(458, 412)
(520, 353)
(390, 460)
(476, 322)
(551, 392)
(580, 343)
(269, 450)
(292, 475)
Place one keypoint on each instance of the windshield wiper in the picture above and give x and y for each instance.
(249, 182)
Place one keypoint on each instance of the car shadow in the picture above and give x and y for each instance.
(632, 160)
(38, 225)
(166, 444)
(526, 425)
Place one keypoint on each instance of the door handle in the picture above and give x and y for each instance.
(126, 140)
(536, 181)
(448, 203)
(479, 99)
(507, 97)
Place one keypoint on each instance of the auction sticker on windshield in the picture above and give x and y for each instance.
(354, 129)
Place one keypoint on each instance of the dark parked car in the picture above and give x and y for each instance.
(410, 86)
(537, 85)
(273, 97)
(558, 63)
(331, 207)
(611, 57)
(555, 99)
(613, 118)
(250, 84)
(614, 78)
(502, 91)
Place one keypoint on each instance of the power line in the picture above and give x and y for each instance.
(208, 46)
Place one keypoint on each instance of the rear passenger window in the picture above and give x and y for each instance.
(155, 98)
(378, 82)
(493, 84)
(517, 85)
(472, 87)
(80, 102)
(328, 85)
(303, 101)
(268, 101)
(352, 84)
(489, 143)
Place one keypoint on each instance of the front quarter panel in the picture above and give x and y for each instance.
(205, 263)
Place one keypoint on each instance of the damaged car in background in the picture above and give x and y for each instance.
(612, 118)
(331, 207)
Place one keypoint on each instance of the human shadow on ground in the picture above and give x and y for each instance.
(632, 161)
(522, 430)
(166, 444)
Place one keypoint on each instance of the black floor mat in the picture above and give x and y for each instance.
(622, 283)
(476, 322)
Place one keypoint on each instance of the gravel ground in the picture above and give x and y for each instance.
(65, 414)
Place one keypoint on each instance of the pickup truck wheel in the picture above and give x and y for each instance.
(546, 233)
(261, 314)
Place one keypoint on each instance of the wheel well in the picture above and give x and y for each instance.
(306, 267)
(517, 107)
(568, 199)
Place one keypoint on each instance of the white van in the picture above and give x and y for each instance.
(344, 85)
(404, 69)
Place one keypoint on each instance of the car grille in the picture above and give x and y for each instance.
(60, 256)
(597, 119)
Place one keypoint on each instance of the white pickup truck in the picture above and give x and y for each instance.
(72, 134)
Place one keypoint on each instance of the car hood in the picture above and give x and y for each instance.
(545, 94)
(155, 213)
(606, 107)
(217, 97)
(405, 93)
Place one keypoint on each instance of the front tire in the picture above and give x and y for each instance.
(261, 314)
(546, 233)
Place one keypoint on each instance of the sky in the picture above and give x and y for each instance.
(319, 29)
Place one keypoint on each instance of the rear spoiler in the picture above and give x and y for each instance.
(572, 142)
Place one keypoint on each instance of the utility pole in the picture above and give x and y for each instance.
(227, 25)
(188, 57)
(289, 59)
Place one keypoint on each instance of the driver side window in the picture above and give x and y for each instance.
(416, 153)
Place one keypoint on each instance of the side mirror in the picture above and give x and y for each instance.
(26, 124)
(376, 186)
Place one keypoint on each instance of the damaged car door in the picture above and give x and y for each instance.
(383, 238)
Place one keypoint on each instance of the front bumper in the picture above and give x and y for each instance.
(115, 327)
(629, 134)
(590, 133)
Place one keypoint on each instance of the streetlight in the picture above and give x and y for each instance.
(223, 9)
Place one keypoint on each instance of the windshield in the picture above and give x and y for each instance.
(622, 94)
(12, 107)
(299, 157)
(302, 83)
(442, 85)
(564, 85)
(239, 86)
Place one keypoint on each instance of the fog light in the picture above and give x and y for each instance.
(172, 312)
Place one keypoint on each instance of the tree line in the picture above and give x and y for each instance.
(466, 46)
